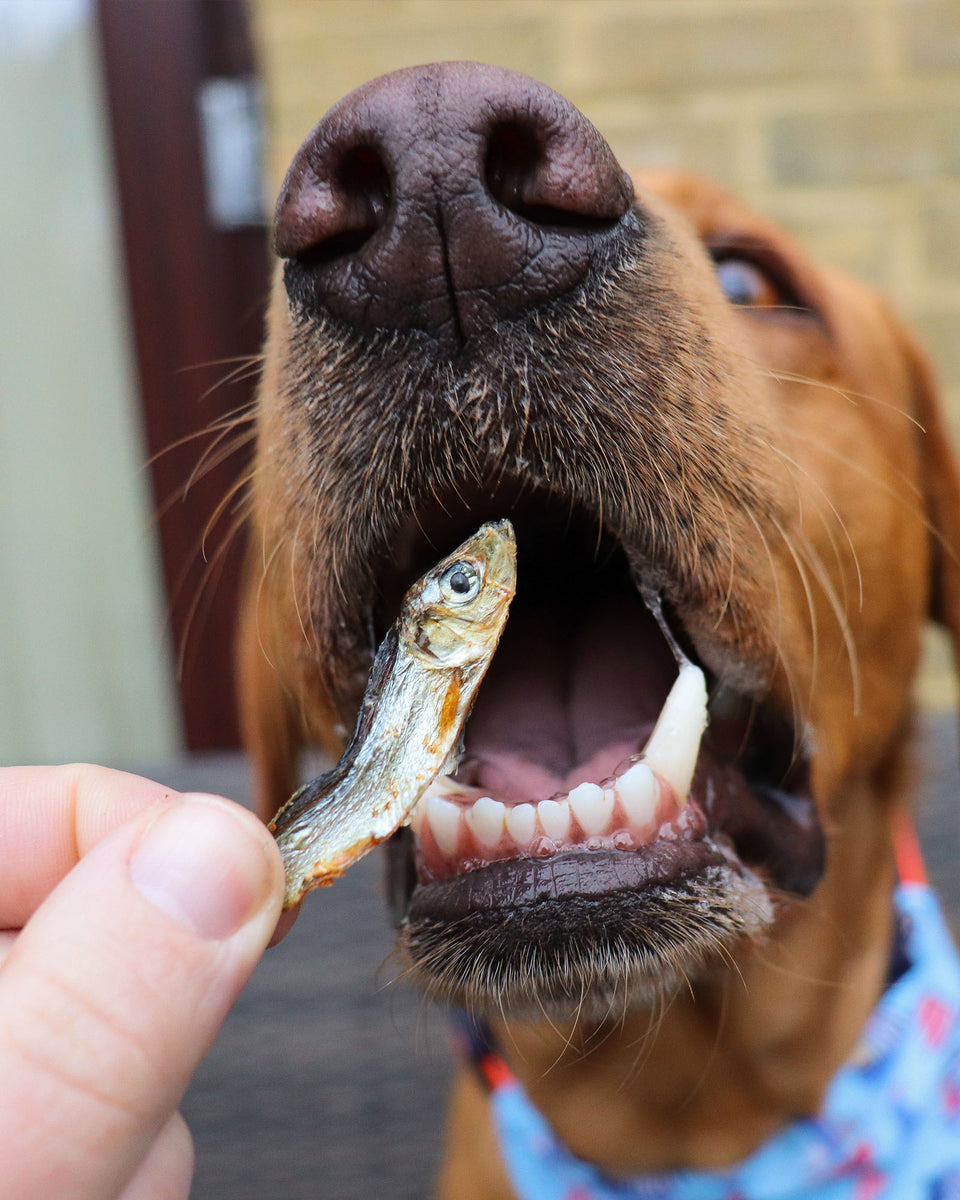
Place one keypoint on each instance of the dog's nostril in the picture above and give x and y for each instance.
(513, 155)
(366, 187)
(366, 195)
(516, 169)
(327, 214)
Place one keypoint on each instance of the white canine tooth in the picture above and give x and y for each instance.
(592, 807)
(554, 816)
(521, 818)
(637, 789)
(674, 744)
(444, 821)
(486, 819)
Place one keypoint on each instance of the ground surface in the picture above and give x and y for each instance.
(328, 1080)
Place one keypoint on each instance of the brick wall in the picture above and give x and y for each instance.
(841, 118)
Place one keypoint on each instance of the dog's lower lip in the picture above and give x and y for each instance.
(579, 933)
(577, 875)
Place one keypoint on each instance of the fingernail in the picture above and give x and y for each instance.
(200, 865)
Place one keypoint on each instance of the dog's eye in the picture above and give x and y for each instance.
(746, 284)
(460, 583)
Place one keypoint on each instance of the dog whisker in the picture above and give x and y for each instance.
(242, 415)
(238, 360)
(811, 611)
(825, 498)
(848, 394)
(203, 595)
(912, 503)
(783, 659)
(822, 576)
(220, 449)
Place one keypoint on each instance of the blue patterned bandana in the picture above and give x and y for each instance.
(890, 1126)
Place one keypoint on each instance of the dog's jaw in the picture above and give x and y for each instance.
(580, 887)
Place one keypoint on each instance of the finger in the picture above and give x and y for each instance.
(167, 1171)
(50, 817)
(118, 984)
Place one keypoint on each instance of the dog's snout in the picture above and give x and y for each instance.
(443, 198)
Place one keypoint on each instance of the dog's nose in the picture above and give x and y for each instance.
(445, 197)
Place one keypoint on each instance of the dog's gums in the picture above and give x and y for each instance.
(625, 844)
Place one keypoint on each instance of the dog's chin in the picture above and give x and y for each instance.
(582, 861)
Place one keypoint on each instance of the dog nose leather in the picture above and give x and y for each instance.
(443, 198)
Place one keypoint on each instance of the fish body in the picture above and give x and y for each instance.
(420, 691)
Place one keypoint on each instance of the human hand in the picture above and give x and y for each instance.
(133, 916)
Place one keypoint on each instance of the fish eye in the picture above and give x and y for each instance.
(460, 582)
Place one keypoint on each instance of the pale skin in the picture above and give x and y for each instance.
(131, 918)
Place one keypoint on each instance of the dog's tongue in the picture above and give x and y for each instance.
(573, 690)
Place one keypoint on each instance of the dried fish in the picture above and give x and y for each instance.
(418, 697)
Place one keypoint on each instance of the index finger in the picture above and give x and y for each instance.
(50, 817)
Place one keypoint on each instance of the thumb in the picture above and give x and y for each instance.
(117, 986)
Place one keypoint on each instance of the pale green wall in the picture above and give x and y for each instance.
(85, 669)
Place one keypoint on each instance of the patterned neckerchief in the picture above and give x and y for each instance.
(890, 1125)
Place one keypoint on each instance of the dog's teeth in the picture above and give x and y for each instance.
(675, 742)
(444, 821)
(592, 807)
(416, 818)
(637, 789)
(588, 812)
(521, 819)
(554, 817)
(486, 819)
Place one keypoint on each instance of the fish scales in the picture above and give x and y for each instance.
(418, 696)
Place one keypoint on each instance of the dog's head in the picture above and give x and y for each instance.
(479, 316)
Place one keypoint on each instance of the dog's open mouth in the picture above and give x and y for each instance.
(618, 813)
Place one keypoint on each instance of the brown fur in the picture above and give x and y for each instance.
(787, 481)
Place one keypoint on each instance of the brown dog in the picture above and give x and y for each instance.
(478, 318)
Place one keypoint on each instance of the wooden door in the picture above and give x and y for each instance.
(197, 286)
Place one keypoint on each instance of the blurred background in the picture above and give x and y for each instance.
(143, 143)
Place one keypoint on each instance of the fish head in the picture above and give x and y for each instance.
(455, 614)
